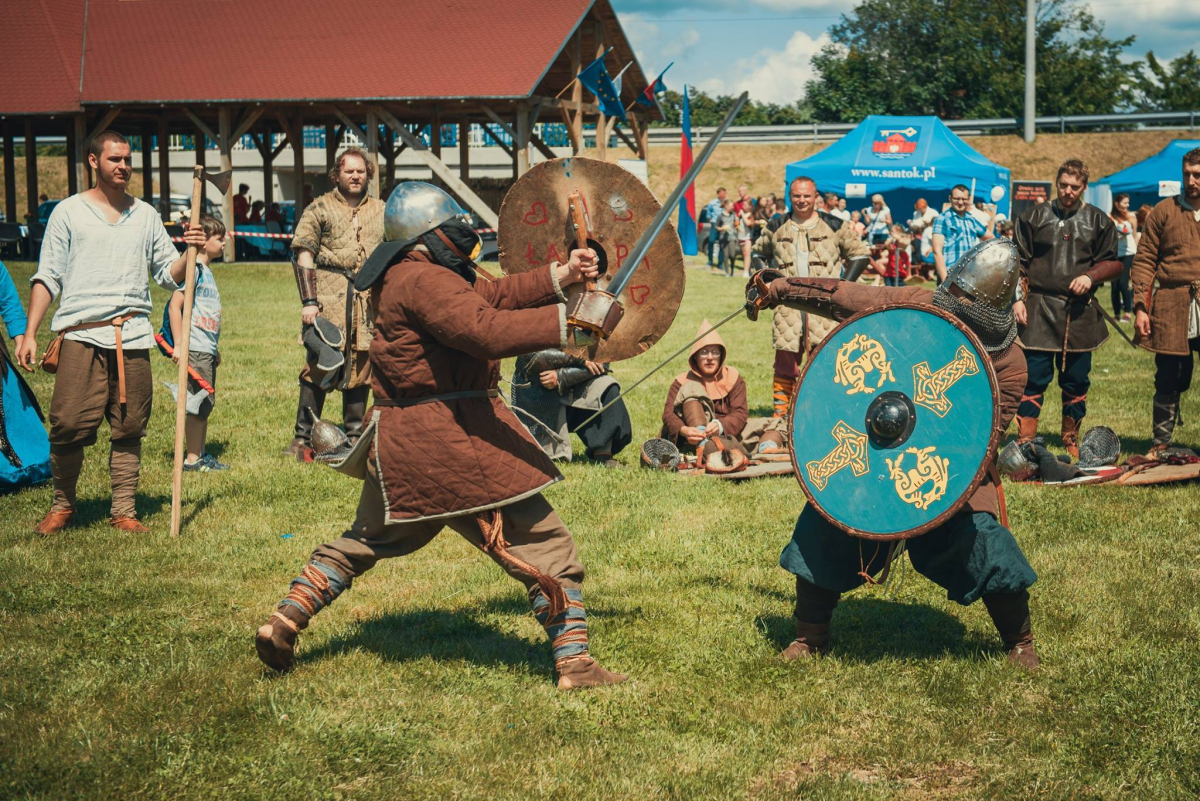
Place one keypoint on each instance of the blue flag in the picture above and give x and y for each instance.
(597, 80)
(657, 87)
(687, 202)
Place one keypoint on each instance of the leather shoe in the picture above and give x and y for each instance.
(129, 524)
(54, 522)
(582, 672)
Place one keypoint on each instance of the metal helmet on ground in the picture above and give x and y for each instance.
(987, 272)
(660, 454)
(1099, 447)
(415, 207)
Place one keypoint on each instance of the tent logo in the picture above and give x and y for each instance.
(895, 143)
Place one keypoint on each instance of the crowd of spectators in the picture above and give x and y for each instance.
(922, 246)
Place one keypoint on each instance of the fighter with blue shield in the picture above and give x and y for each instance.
(893, 432)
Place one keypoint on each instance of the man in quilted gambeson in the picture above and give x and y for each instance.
(808, 244)
(335, 235)
(440, 448)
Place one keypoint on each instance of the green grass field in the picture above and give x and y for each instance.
(127, 665)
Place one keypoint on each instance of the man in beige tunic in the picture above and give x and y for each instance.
(813, 244)
(333, 239)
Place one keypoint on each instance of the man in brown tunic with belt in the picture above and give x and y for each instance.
(1166, 297)
(333, 239)
(441, 448)
(1067, 249)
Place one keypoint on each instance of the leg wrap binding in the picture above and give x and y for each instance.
(315, 588)
(568, 629)
(781, 390)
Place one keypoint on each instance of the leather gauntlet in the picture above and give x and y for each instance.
(569, 377)
(306, 282)
(812, 295)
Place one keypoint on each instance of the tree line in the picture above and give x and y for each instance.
(963, 59)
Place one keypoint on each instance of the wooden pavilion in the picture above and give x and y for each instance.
(225, 69)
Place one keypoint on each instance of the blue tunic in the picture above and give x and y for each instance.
(24, 446)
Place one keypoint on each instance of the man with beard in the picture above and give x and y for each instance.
(442, 449)
(333, 239)
(98, 247)
(971, 555)
(1067, 249)
(1168, 318)
(809, 243)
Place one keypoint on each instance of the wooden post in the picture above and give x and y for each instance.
(267, 151)
(72, 160)
(464, 148)
(388, 177)
(331, 146)
(296, 135)
(147, 165)
(575, 128)
(164, 170)
(31, 176)
(435, 132)
(373, 152)
(601, 120)
(225, 148)
(184, 349)
(524, 130)
(201, 152)
(10, 177)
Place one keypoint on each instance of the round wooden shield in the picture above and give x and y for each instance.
(893, 421)
(536, 228)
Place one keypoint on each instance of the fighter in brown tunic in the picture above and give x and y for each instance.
(1166, 296)
(1067, 248)
(333, 238)
(441, 448)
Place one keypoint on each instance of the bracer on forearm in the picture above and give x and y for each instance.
(812, 295)
(1104, 271)
(569, 377)
(306, 282)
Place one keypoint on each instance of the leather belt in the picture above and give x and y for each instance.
(445, 396)
(116, 323)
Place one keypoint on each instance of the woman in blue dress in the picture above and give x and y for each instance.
(24, 446)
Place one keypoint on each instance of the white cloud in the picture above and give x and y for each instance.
(772, 76)
(648, 42)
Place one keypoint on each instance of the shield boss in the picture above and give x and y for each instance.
(894, 421)
(535, 229)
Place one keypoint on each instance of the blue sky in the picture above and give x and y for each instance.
(724, 47)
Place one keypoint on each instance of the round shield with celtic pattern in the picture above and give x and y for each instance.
(536, 228)
(893, 421)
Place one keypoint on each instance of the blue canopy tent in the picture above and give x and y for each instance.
(1157, 177)
(903, 159)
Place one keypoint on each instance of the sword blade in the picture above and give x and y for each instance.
(661, 365)
(1112, 321)
(617, 285)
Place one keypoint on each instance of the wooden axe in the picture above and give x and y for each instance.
(221, 181)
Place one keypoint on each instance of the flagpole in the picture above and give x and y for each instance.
(565, 88)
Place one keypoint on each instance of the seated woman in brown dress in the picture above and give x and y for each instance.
(708, 402)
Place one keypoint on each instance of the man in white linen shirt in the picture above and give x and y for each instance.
(98, 247)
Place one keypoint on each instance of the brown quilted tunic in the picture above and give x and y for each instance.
(435, 334)
(341, 237)
(1166, 275)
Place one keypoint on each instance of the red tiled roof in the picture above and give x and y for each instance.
(277, 50)
(40, 56)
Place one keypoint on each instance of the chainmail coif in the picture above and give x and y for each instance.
(996, 329)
